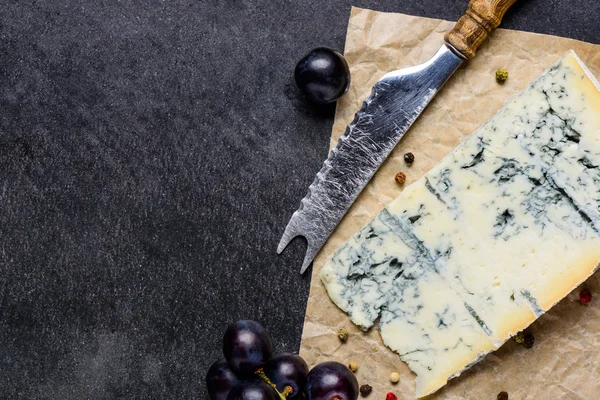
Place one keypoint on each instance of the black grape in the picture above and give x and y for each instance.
(322, 75)
(220, 379)
(246, 346)
(252, 391)
(287, 370)
(330, 379)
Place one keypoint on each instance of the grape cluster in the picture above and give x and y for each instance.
(250, 371)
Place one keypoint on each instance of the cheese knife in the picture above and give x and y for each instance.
(397, 99)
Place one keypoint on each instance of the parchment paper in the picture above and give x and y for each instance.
(565, 360)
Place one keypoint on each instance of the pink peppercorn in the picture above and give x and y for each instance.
(585, 296)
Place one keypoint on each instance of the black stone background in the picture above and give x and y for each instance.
(151, 153)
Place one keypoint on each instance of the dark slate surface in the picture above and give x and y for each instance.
(151, 153)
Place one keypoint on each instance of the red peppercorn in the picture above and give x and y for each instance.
(585, 296)
(391, 396)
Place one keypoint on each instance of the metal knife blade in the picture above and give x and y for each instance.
(396, 101)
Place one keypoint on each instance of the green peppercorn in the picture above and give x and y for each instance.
(342, 334)
(519, 338)
(501, 75)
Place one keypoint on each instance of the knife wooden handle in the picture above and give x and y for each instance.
(482, 17)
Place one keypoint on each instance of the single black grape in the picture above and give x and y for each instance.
(220, 379)
(330, 379)
(322, 75)
(246, 346)
(252, 391)
(287, 370)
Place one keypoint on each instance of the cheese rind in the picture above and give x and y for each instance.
(488, 240)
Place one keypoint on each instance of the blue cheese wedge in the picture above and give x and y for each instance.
(488, 240)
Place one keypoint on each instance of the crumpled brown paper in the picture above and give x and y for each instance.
(565, 360)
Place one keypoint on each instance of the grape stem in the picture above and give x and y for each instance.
(283, 394)
(287, 391)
